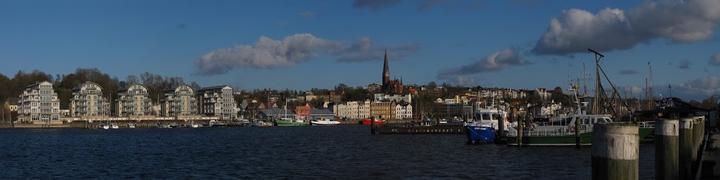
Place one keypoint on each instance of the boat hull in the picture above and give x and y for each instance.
(480, 134)
(367, 122)
(645, 135)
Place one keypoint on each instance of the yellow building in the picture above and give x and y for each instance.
(382, 110)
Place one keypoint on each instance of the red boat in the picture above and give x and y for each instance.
(377, 122)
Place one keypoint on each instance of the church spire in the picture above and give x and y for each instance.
(386, 72)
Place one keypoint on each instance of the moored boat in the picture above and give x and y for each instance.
(324, 122)
(377, 122)
(286, 122)
(480, 133)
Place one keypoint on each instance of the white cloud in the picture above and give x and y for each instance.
(268, 53)
(709, 85)
(493, 62)
(615, 29)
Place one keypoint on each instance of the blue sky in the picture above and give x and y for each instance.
(425, 38)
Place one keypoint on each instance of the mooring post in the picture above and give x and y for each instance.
(686, 147)
(577, 133)
(615, 151)
(372, 125)
(666, 149)
(521, 124)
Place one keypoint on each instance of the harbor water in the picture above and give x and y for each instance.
(280, 152)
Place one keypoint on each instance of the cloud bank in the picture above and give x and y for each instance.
(493, 62)
(268, 53)
(575, 30)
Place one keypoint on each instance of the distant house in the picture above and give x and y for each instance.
(303, 112)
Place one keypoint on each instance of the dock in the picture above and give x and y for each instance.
(399, 129)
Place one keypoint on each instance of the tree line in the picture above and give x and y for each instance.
(12, 87)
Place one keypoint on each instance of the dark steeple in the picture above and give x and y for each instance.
(386, 73)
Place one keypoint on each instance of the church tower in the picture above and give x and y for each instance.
(386, 74)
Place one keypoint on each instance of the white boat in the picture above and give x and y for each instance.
(105, 126)
(491, 116)
(195, 125)
(325, 122)
(131, 125)
(115, 126)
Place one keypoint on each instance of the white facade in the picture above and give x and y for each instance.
(134, 102)
(403, 112)
(88, 101)
(39, 102)
(217, 101)
(353, 110)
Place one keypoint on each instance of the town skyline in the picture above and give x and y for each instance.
(308, 44)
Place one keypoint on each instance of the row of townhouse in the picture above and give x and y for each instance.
(39, 102)
(389, 110)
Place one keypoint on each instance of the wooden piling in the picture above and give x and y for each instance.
(666, 149)
(615, 151)
(686, 141)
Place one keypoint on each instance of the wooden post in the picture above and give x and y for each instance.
(666, 149)
(372, 125)
(519, 139)
(577, 133)
(686, 148)
(501, 128)
(615, 151)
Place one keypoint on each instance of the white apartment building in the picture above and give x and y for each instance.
(39, 103)
(134, 101)
(88, 101)
(179, 102)
(217, 101)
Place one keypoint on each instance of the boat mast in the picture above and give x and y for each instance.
(597, 102)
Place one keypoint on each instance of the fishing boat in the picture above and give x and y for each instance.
(324, 122)
(480, 133)
(285, 122)
(484, 128)
(558, 133)
(369, 122)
